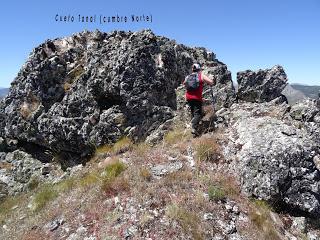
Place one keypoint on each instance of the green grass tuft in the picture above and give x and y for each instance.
(260, 216)
(112, 182)
(188, 220)
(216, 193)
(90, 179)
(207, 150)
(177, 135)
(44, 196)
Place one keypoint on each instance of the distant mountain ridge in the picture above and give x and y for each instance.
(296, 92)
(3, 92)
(309, 91)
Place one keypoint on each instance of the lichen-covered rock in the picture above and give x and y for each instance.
(305, 110)
(90, 89)
(19, 172)
(262, 85)
(223, 92)
(3, 190)
(275, 157)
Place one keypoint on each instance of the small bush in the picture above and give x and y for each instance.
(188, 220)
(216, 193)
(115, 169)
(66, 185)
(104, 149)
(177, 135)
(207, 150)
(145, 174)
(260, 216)
(141, 149)
(89, 179)
(33, 183)
(123, 145)
(112, 183)
(44, 196)
(112, 187)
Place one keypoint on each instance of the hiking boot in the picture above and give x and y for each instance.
(194, 133)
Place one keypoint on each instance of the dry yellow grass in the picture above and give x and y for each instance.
(207, 149)
(189, 221)
(260, 216)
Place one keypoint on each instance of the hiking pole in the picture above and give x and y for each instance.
(212, 98)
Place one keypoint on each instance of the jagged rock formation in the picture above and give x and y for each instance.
(306, 110)
(275, 155)
(262, 85)
(92, 88)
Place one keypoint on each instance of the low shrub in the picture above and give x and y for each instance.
(112, 182)
(44, 196)
(145, 174)
(123, 145)
(216, 193)
(89, 179)
(177, 135)
(33, 183)
(208, 150)
(260, 216)
(188, 220)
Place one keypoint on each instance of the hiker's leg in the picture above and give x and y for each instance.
(192, 107)
(197, 116)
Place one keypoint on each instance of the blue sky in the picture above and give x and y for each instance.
(244, 34)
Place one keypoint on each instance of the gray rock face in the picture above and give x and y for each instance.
(306, 110)
(275, 157)
(262, 85)
(92, 88)
(19, 172)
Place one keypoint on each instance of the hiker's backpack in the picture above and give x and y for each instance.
(192, 82)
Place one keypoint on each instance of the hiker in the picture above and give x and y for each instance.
(194, 85)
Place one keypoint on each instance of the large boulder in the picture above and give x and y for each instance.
(79, 92)
(262, 85)
(275, 158)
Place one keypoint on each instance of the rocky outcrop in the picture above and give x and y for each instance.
(92, 88)
(262, 85)
(19, 172)
(275, 156)
(79, 92)
(306, 110)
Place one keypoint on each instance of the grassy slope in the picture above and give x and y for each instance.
(117, 190)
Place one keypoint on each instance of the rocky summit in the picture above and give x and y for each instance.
(262, 85)
(80, 92)
(95, 143)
